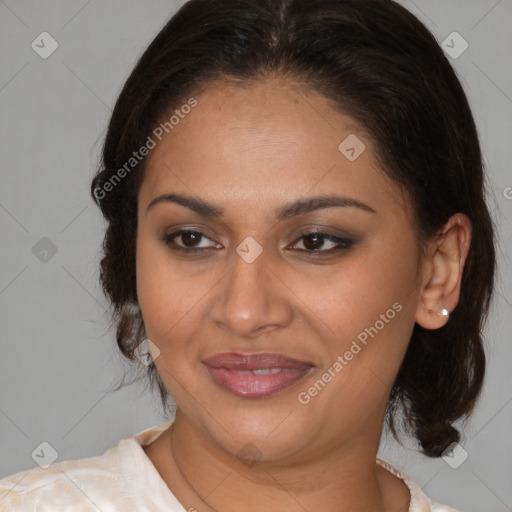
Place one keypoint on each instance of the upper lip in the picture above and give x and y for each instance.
(238, 361)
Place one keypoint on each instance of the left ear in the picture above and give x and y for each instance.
(442, 272)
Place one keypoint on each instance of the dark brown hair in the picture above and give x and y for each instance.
(377, 63)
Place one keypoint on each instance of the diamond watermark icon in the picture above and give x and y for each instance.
(454, 45)
(351, 147)
(455, 455)
(44, 249)
(44, 455)
(249, 454)
(44, 45)
(249, 249)
(146, 352)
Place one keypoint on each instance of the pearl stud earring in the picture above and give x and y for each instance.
(444, 312)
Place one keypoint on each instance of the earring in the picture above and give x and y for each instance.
(444, 312)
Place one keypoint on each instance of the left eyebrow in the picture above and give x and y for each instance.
(303, 206)
(295, 208)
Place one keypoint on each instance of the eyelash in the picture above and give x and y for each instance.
(342, 243)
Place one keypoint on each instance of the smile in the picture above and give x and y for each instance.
(257, 383)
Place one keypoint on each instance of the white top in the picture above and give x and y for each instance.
(122, 479)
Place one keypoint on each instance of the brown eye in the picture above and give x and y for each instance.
(190, 240)
(315, 242)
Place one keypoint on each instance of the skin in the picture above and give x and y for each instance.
(250, 151)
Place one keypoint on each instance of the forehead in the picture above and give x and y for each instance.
(267, 141)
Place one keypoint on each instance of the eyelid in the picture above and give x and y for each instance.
(324, 230)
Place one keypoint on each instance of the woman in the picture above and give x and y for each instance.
(298, 237)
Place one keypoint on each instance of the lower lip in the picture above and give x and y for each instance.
(250, 385)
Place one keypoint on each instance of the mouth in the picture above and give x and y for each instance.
(255, 375)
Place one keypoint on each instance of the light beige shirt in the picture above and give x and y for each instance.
(122, 479)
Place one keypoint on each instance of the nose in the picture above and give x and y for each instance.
(253, 297)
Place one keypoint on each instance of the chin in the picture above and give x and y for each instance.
(259, 434)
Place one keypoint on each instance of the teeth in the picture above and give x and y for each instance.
(263, 371)
(266, 371)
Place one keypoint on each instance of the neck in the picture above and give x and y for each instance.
(209, 479)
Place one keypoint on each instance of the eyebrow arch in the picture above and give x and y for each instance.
(295, 208)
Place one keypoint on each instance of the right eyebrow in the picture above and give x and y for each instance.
(295, 208)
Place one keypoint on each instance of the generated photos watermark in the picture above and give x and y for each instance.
(143, 151)
(304, 397)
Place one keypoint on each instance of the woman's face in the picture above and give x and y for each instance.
(257, 283)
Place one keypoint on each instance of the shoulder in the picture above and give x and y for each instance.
(419, 501)
(63, 483)
(122, 478)
(438, 507)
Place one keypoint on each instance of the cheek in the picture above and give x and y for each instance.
(353, 295)
(171, 298)
(160, 290)
(369, 313)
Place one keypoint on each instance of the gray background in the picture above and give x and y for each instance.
(58, 359)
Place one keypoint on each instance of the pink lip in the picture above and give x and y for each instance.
(226, 371)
